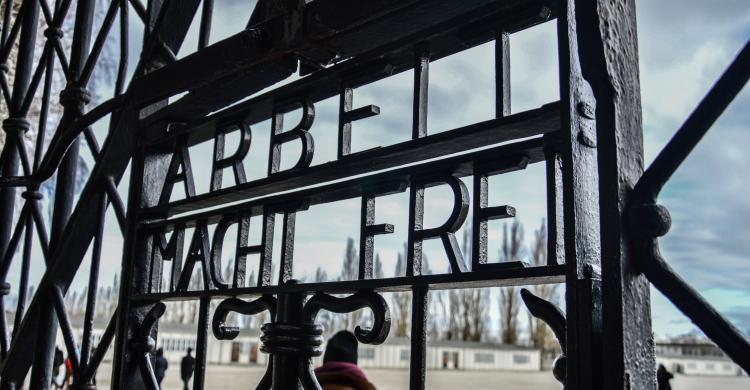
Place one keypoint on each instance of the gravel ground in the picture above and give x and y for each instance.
(238, 377)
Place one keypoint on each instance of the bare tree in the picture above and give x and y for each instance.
(539, 334)
(378, 267)
(350, 271)
(463, 311)
(401, 303)
(509, 303)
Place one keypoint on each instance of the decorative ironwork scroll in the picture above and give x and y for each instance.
(555, 319)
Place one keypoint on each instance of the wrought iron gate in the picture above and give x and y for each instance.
(590, 142)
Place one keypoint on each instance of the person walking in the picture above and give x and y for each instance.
(57, 361)
(160, 366)
(186, 367)
(339, 370)
(663, 376)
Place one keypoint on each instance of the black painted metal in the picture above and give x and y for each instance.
(649, 220)
(589, 141)
(555, 319)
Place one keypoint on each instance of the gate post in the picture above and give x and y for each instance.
(602, 159)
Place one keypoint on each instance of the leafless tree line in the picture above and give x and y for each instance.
(463, 314)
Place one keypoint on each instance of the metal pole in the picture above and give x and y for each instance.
(285, 365)
(14, 126)
(73, 99)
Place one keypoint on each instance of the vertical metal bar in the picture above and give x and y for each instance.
(595, 177)
(266, 254)
(205, 29)
(416, 217)
(42, 128)
(287, 247)
(285, 365)
(201, 346)
(23, 283)
(109, 333)
(6, 21)
(366, 241)
(609, 61)
(555, 227)
(502, 74)
(122, 68)
(65, 188)
(418, 358)
(346, 102)
(134, 270)
(421, 84)
(153, 7)
(29, 17)
(96, 255)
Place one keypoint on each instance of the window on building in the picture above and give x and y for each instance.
(521, 359)
(710, 366)
(691, 365)
(368, 353)
(405, 354)
(484, 357)
(727, 367)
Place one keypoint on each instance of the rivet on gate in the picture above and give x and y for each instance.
(586, 110)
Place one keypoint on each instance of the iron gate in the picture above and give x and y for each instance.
(590, 142)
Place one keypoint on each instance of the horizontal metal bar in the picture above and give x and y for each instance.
(499, 277)
(503, 157)
(394, 54)
(526, 124)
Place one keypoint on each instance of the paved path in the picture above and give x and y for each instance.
(245, 378)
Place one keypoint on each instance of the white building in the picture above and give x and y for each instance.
(685, 358)
(452, 355)
(175, 339)
(696, 359)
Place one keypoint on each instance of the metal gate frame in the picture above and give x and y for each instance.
(591, 142)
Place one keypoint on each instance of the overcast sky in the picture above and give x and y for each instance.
(684, 46)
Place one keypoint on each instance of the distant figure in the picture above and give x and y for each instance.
(57, 361)
(68, 373)
(663, 377)
(339, 370)
(186, 367)
(160, 366)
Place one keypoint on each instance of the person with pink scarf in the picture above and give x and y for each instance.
(339, 370)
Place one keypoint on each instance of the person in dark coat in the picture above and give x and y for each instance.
(186, 367)
(663, 377)
(339, 370)
(57, 362)
(160, 365)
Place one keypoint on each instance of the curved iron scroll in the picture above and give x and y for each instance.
(555, 319)
(648, 220)
(305, 339)
(223, 332)
(375, 302)
(143, 344)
